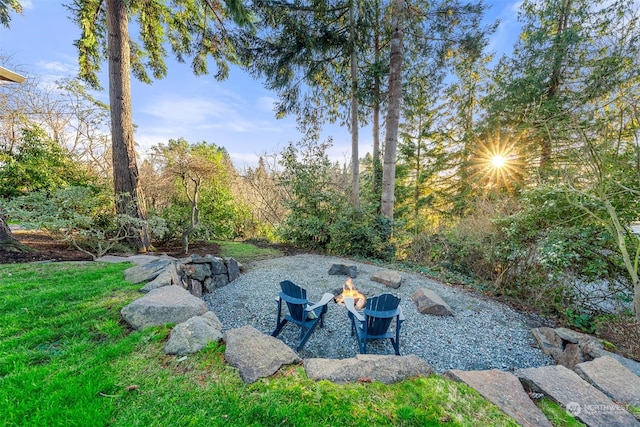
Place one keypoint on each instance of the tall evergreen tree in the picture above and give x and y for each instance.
(7, 240)
(193, 28)
(433, 31)
(309, 53)
(393, 110)
(534, 83)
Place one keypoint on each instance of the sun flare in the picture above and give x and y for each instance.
(498, 161)
(496, 164)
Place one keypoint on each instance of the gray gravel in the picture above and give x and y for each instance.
(483, 334)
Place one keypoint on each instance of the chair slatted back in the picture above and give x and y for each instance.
(296, 299)
(379, 312)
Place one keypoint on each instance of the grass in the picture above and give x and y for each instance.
(245, 252)
(556, 414)
(67, 359)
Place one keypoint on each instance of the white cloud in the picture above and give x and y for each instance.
(205, 113)
(508, 31)
(58, 67)
(184, 111)
(267, 103)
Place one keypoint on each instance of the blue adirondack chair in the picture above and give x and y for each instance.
(302, 312)
(374, 321)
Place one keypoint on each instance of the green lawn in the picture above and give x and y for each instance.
(67, 359)
(244, 252)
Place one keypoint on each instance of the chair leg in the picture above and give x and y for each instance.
(279, 326)
(353, 324)
(304, 336)
(396, 346)
(324, 310)
(279, 323)
(396, 342)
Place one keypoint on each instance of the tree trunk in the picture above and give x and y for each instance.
(416, 188)
(8, 243)
(376, 108)
(636, 300)
(355, 160)
(559, 55)
(393, 110)
(194, 220)
(129, 197)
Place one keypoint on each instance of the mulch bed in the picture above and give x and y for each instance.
(46, 248)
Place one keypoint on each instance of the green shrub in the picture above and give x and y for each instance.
(317, 195)
(538, 248)
(361, 233)
(82, 216)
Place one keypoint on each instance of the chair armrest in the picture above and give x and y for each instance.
(350, 304)
(324, 301)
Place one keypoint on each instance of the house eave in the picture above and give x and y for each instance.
(10, 76)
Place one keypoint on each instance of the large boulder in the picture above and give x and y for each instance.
(162, 279)
(367, 367)
(428, 302)
(505, 390)
(233, 268)
(391, 279)
(612, 378)
(194, 334)
(564, 345)
(255, 354)
(146, 272)
(169, 304)
(343, 270)
(218, 265)
(578, 397)
(197, 270)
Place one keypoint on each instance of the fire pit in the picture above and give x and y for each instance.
(350, 291)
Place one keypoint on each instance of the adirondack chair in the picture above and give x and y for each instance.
(301, 311)
(374, 321)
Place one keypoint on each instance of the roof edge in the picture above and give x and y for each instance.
(10, 76)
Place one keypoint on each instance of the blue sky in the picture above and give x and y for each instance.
(235, 113)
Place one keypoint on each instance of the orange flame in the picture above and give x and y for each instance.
(350, 291)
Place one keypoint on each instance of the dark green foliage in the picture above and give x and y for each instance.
(363, 234)
(563, 239)
(298, 48)
(320, 214)
(317, 195)
(195, 29)
(5, 7)
(37, 163)
(220, 217)
(580, 320)
(542, 251)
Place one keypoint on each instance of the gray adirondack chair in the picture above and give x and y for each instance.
(302, 312)
(375, 320)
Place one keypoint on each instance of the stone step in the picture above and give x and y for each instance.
(612, 378)
(386, 369)
(506, 392)
(580, 398)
